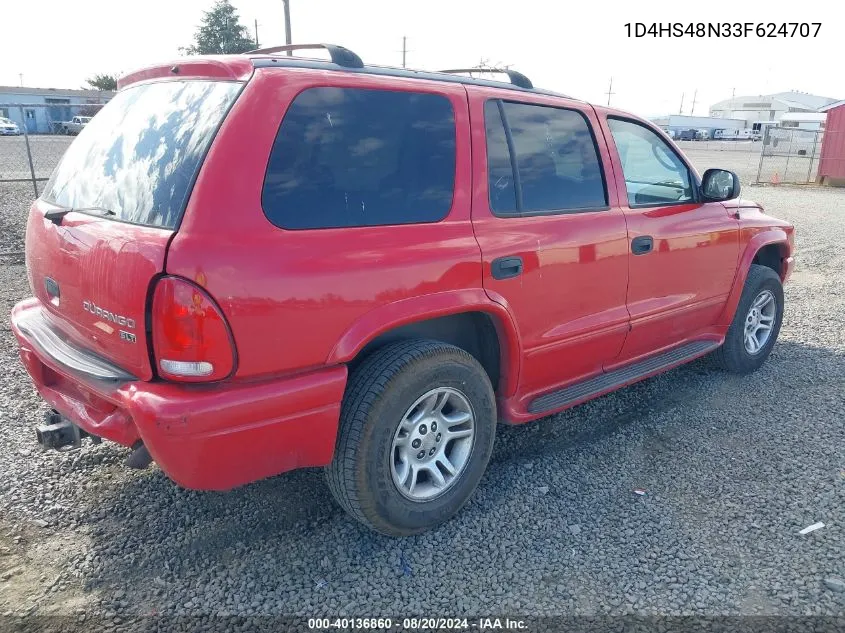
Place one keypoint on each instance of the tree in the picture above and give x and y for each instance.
(102, 82)
(220, 32)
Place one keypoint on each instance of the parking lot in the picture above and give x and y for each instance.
(732, 468)
(46, 152)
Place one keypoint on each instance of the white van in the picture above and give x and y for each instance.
(734, 135)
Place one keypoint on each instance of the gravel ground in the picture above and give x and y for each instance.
(46, 152)
(733, 467)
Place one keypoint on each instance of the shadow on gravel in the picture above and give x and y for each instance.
(282, 545)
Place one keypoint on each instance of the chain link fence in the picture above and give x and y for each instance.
(34, 137)
(789, 155)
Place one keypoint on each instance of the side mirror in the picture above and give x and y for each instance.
(719, 185)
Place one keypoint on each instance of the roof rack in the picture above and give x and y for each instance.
(339, 55)
(516, 78)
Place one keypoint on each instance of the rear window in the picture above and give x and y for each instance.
(354, 157)
(139, 155)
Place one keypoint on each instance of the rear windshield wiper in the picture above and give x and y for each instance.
(55, 216)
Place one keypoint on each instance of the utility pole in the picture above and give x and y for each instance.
(694, 95)
(404, 49)
(256, 34)
(681, 109)
(287, 25)
(610, 91)
(20, 76)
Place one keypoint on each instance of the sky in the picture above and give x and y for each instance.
(563, 45)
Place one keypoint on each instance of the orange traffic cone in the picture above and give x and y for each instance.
(776, 179)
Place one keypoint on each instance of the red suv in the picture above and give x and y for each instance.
(254, 263)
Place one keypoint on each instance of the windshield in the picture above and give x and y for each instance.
(139, 155)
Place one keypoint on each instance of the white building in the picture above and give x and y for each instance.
(41, 109)
(804, 120)
(768, 107)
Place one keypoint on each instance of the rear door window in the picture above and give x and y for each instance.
(501, 179)
(138, 157)
(551, 166)
(358, 157)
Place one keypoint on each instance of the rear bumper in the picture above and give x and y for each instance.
(205, 437)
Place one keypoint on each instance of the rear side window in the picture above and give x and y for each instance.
(354, 157)
(551, 166)
(138, 156)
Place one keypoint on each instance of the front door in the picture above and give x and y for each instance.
(30, 121)
(553, 239)
(683, 252)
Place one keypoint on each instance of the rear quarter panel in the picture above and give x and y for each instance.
(292, 296)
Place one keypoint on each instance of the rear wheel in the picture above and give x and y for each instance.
(416, 432)
(756, 324)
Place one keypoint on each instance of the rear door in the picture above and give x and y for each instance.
(553, 239)
(683, 251)
(128, 175)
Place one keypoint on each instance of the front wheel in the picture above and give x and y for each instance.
(756, 324)
(416, 432)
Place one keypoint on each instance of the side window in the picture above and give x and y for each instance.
(500, 173)
(354, 157)
(557, 165)
(654, 174)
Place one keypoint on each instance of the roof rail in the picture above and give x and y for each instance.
(516, 78)
(340, 55)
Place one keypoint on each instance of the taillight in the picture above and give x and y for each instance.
(191, 339)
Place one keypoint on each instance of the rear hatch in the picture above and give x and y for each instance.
(98, 236)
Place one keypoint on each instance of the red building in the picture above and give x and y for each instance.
(832, 158)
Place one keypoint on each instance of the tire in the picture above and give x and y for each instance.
(383, 392)
(734, 355)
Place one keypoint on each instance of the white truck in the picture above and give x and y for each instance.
(75, 125)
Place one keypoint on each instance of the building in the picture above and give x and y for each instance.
(804, 120)
(45, 107)
(676, 123)
(768, 107)
(832, 157)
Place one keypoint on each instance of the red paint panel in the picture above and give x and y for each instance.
(211, 67)
(832, 160)
(211, 437)
(290, 296)
(105, 263)
(569, 322)
(677, 290)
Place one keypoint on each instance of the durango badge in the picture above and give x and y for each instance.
(90, 306)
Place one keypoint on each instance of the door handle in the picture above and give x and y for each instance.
(642, 244)
(507, 267)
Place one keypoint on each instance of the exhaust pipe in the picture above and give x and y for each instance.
(59, 433)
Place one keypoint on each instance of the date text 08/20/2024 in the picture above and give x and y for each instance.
(416, 623)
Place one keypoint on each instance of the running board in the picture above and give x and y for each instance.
(605, 382)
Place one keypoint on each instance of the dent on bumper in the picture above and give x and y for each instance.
(209, 437)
